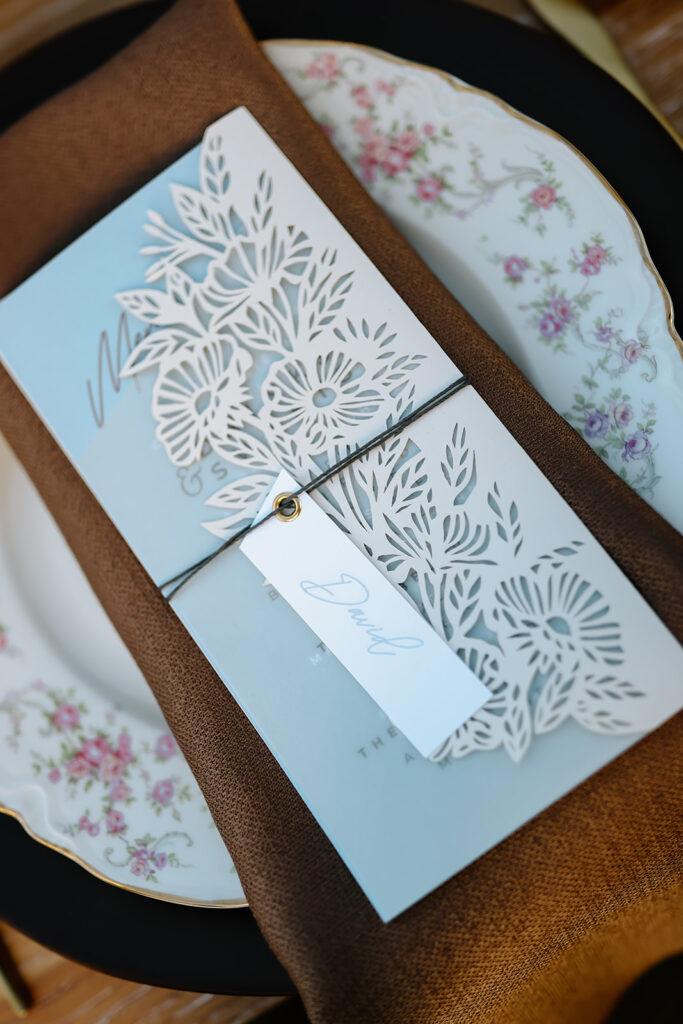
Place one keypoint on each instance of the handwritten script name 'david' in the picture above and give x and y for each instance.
(350, 593)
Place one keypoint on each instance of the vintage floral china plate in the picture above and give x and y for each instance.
(535, 243)
(87, 763)
(526, 234)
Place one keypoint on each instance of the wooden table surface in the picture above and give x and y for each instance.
(64, 992)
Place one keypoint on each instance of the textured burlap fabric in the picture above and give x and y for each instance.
(552, 924)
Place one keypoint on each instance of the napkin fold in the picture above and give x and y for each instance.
(553, 923)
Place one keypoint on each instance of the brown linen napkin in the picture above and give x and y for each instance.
(552, 924)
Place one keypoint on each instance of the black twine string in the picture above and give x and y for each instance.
(181, 578)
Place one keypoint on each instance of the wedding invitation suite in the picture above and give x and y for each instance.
(434, 648)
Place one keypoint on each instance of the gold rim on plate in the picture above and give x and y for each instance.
(165, 897)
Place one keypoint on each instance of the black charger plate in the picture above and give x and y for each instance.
(41, 892)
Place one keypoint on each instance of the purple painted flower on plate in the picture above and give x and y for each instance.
(549, 326)
(596, 425)
(604, 334)
(636, 446)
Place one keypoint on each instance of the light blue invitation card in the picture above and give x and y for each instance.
(220, 329)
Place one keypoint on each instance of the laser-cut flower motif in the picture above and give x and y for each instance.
(199, 394)
(251, 268)
(330, 397)
(555, 617)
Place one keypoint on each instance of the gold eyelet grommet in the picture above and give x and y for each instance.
(289, 514)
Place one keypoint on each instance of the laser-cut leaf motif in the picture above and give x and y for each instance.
(244, 450)
(605, 704)
(322, 294)
(260, 360)
(465, 596)
(504, 720)
(152, 349)
(242, 498)
(152, 306)
(507, 522)
(214, 175)
(200, 214)
(459, 465)
(555, 700)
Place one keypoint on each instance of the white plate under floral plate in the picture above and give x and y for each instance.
(543, 253)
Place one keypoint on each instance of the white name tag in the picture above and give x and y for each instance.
(395, 655)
